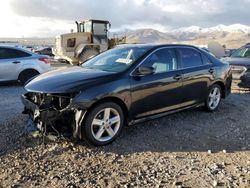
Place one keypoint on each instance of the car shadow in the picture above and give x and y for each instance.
(192, 130)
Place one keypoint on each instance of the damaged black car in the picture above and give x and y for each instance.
(125, 85)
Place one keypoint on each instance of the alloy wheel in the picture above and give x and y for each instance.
(214, 98)
(105, 124)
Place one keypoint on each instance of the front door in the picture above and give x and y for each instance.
(160, 91)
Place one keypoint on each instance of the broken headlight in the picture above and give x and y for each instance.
(56, 101)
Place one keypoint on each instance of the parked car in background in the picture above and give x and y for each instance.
(240, 63)
(229, 52)
(45, 51)
(127, 84)
(17, 64)
(29, 48)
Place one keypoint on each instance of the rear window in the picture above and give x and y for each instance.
(8, 53)
(205, 60)
(163, 60)
(190, 57)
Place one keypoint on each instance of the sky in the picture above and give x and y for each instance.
(48, 18)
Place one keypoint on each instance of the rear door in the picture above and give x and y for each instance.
(198, 72)
(160, 91)
(10, 63)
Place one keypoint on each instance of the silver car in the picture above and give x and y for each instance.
(17, 64)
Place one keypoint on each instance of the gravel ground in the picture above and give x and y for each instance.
(192, 148)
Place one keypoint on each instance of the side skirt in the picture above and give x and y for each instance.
(144, 119)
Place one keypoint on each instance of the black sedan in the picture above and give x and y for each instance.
(125, 85)
(240, 63)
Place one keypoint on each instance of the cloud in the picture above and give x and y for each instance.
(133, 14)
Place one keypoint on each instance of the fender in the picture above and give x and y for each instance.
(30, 66)
(90, 96)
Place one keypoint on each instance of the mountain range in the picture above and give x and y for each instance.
(233, 36)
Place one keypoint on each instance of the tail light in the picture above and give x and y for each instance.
(45, 60)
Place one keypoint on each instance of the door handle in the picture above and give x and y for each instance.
(16, 62)
(177, 77)
(211, 71)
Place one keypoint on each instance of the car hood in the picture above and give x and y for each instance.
(237, 61)
(67, 80)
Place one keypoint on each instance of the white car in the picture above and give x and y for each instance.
(17, 64)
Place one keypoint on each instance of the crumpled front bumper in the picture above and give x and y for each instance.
(64, 121)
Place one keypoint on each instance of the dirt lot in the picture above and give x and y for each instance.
(167, 152)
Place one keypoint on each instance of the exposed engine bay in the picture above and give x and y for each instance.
(54, 113)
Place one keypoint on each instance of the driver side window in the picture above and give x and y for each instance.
(163, 60)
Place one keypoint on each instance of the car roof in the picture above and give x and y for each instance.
(16, 48)
(247, 45)
(155, 45)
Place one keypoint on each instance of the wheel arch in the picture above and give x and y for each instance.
(116, 100)
(27, 69)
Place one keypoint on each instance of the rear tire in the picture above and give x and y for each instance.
(87, 54)
(26, 75)
(103, 124)
(213, 99)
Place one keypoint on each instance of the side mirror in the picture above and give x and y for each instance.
(143, 71)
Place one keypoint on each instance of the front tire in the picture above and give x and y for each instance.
(103, 124)
(213, 98)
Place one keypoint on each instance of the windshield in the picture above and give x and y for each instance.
(116, 60)
(242, 52)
